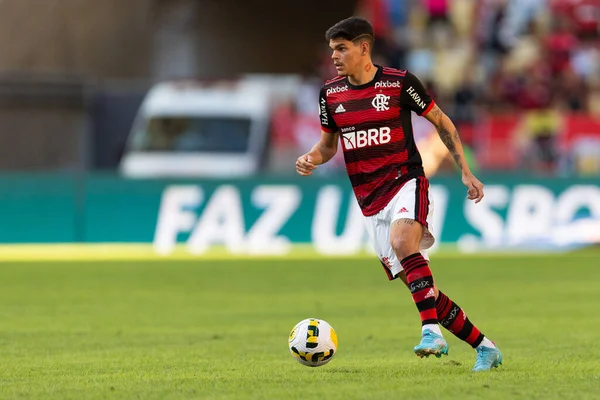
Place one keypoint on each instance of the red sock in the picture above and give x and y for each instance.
(420, 283)
(453, 318)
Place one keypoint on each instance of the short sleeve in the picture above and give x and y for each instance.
(327, 123)
(414, 96)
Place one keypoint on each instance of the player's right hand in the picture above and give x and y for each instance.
(305, 165)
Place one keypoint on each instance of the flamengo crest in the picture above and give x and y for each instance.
(380, 102)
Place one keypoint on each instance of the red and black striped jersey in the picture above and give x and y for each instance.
(374, 122)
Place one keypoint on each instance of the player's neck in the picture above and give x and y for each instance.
(364, 75)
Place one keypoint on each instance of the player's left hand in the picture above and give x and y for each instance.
(474, 187)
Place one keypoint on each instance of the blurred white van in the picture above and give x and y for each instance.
(198, 128)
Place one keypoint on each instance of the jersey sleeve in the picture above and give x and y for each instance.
(414, 96)
(327, 123)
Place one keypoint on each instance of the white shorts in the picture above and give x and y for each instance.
(412, 201)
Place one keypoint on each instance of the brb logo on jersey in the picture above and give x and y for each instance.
(380, 102)
(372, 137)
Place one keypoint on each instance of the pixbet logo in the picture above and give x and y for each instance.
(337, 89)
(370, 137)
(388, 84)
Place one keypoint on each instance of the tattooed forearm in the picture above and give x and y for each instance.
(436, 113)
(448, 134)
(450, 141)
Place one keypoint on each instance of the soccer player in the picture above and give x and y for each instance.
(369, 108)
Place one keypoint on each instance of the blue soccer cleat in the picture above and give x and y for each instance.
(487, 358)
(431, 343)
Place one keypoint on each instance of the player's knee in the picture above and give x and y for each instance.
(404, 246)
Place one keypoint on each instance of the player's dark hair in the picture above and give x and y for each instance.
(354, 29)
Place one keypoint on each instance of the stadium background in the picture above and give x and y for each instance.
(521, 79)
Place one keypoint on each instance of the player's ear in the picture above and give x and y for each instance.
(367, 46)
(364, 48)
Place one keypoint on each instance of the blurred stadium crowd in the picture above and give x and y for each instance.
(521, 78)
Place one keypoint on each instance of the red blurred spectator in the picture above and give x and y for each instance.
(559, 45)
(536, 93)
(437, 10)
(584, 14)
(376, 11)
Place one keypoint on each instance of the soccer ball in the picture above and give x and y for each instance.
(313, 342)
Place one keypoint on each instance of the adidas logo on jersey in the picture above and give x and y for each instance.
(429, 294)
(340, 109)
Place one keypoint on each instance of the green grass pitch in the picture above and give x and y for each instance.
(218, 329)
